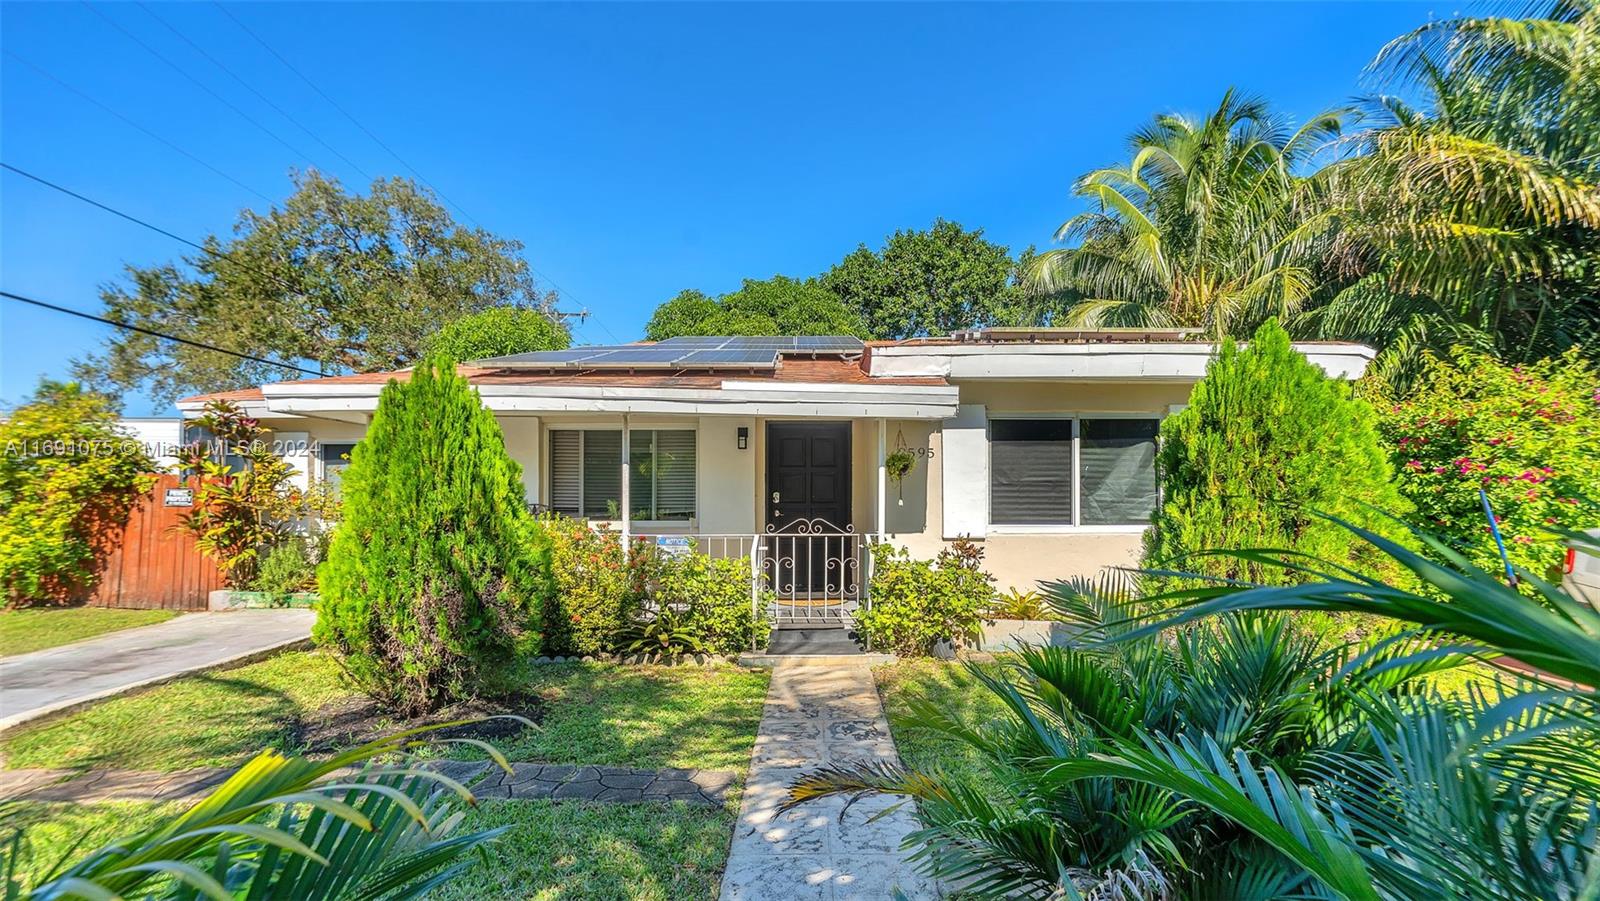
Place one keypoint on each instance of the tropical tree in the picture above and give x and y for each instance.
(929, 282)
(1474, 218)
(1208, 226)
(333, 279)
(1220, 753)
(776, 306)
(499, 332)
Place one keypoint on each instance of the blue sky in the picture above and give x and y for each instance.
(635, 150)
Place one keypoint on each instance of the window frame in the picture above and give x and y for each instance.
(652, 427)
(1076, 527)
(322, 462)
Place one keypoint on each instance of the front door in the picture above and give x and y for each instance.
(811, 546)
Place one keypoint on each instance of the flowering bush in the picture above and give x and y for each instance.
(594, 601)
(713, 597)
(916, 603)
(1528, 435)
(67, 483)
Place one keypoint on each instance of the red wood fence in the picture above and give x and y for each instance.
(154, 565)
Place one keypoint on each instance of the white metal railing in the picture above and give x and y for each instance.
(809, 571)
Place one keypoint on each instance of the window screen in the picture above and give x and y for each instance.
(1118, 478)
(1030, 466)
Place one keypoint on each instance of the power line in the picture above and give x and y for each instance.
(380, 142)
(199, 84)
(209, 251)
(144, 331)
(112, 210)
(247, 86)
(146, 131)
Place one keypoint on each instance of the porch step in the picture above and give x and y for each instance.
(789, 639)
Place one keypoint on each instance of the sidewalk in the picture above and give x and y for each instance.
(818, 715)
(55, 679)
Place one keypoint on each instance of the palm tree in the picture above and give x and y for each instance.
(1209, 225)
(1217, 752)
(1475, 219)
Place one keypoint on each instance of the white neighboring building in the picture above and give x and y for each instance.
(160, 435)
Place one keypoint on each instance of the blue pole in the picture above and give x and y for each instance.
(1499, 543)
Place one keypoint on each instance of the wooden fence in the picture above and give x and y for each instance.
(154, 565)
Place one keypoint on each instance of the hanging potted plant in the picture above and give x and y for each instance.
(898, 465)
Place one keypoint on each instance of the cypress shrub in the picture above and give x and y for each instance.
(1266, 442)
(437, 573)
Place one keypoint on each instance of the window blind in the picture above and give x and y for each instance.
(602, 474)
(566, 471)
(1030, 464)
(675, 474)
(1118, 462)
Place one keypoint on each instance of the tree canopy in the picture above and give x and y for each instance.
(498, 332)
(929, 282)
(776, 306)
(331, 280)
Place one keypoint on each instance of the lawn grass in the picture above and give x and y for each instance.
(554, 850)
(643, 716)
(950, 686)
(597, 852)
(22, 631)
(594, 713)
(216, 718)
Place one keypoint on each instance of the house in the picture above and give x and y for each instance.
(1038, 443)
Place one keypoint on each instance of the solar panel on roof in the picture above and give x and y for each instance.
(687, 351)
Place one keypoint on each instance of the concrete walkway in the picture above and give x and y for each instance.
(817, 715)
(59, 678)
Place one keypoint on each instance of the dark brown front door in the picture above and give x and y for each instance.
(808, 494)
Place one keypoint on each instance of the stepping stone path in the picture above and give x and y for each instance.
(707, 788)
(817, 715)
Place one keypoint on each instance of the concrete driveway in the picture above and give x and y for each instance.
(44, 682)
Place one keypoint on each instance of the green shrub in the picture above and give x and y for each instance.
(1529, 436)
(593, 602)
(288, 568)
(67, 482)
(1267, 440)
(713, 596)
(436, 577)
(498, 332)
(915, 603)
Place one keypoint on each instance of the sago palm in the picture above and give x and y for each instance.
(1216, 752)
(1209, 225)
(283, 827)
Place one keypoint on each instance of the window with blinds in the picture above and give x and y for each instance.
(586, 473)
(1117, 471)
(1072, 471)
(1030, 471)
